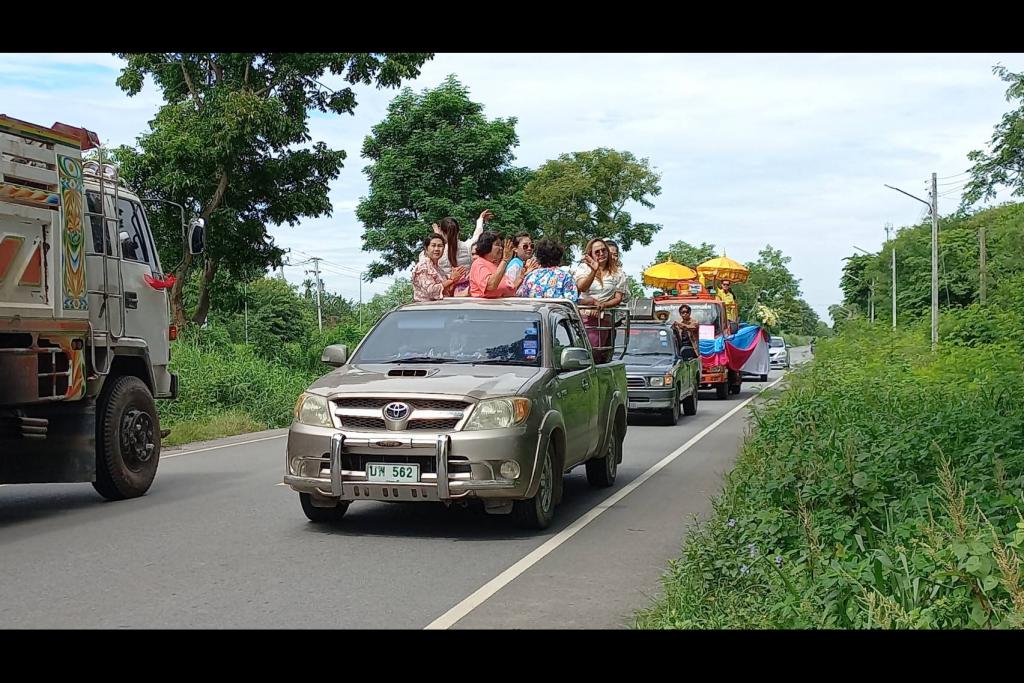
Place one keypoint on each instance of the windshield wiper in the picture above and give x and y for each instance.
(648, 353)
(497, 361)
(423, 359)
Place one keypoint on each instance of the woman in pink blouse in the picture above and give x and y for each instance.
(429, 283)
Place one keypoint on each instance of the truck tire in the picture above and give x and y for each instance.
(764, 378)
(538, 511)
(322, 515)
(690, 402)
(601, 471)
(127, 439)
(670, 416)
(722, 391)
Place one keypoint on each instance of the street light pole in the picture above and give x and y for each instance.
(933, 209)
(871, 288)
(935, 263)
(892, 248)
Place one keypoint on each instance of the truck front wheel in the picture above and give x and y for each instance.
(127, 439)
(537, 512)
(321, 515)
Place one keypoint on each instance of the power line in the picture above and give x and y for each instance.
(953, 176)
(332, 263)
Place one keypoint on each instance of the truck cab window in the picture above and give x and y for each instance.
(95, 211)
(134, 233)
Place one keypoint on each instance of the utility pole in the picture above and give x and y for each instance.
(892, 248)
(360, 299)
(935, 262)
(871, 306)
(316, 274)
(871, 287)
(982, 264)
(245, 297)
(933, 208)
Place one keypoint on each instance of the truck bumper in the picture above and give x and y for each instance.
(327, 462)
(650, 399)
(708, 380)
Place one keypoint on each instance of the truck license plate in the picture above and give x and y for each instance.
(392, 474)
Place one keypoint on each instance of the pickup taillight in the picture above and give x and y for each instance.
(172, 332)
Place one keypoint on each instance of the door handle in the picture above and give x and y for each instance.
(131, 300)
(586, 385)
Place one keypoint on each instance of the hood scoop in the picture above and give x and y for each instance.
(412, 372)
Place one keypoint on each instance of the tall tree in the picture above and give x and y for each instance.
(435, 154)
(687, 254)
(231, 143)
(584, 195)
(1003, 164)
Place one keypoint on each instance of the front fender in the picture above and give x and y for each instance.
(551, 421)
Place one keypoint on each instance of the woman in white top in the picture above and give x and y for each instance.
(602, 278)
(458, 252)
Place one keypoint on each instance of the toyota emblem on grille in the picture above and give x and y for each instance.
(396, 411)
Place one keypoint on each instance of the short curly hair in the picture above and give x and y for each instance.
(548, 253)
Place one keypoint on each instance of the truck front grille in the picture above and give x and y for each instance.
(366, 413)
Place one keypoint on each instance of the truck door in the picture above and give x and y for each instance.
(597, 403)
(145, 306)
(570, 392)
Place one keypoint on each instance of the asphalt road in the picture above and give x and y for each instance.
(218, 543)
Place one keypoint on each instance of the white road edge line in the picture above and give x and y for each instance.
(226, 445)
(452, 616)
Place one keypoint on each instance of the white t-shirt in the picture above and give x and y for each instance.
(603, 290)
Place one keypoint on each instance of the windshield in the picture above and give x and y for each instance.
(454, 336)
(777, 342)
(654, 341)
(704, 313)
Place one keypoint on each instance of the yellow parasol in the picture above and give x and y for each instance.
(723, 268)
(666, 274)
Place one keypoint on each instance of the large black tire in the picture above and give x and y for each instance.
(722, 391)
(127, 439)
(691, 402)
(764, 378)
(670, 416)
(322, 515)
(538, 511)
(601, 472)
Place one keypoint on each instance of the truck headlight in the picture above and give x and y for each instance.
(665, 381)
(498, 413)
(313, 410)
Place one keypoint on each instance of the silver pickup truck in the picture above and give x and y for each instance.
(456, 400)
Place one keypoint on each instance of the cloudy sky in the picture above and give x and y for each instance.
(791, 150)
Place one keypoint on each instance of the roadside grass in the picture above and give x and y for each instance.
(884, 488)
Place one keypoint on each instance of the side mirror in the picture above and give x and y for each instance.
(197, 237)
(335, 354)
(575, 359)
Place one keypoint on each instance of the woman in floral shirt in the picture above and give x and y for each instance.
(549, 281)
(429, 283)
